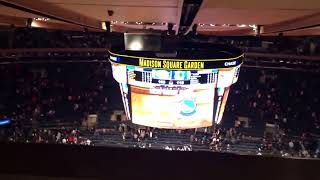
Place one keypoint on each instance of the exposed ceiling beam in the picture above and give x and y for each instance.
(52, 11)
(195, 16)
(179, 13)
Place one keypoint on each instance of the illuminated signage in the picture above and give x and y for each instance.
(114, 58)
(165, 64)
(167, 92)
(172, 64)
(230, 63)
(176, 64)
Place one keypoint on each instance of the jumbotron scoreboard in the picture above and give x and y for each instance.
(188, 90)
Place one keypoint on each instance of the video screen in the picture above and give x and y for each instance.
(174, 108)
(142, 42)
(174, 99)
(171, 75)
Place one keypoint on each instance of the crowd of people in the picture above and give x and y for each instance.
(33, 94)
(288, 99)
(215, 139)
(278, 144)
(58, 135)
(42, 38)
(40, 93)
(277, 44)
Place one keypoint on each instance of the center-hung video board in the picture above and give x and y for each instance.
(174, 93)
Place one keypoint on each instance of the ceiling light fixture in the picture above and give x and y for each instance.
(241, 25)
(41, 19)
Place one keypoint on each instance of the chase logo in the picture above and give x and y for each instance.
(232, 63)
(114, 58)
(188, 107)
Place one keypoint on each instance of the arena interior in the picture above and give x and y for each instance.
(221, 80)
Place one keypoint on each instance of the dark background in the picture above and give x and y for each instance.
(120, 163)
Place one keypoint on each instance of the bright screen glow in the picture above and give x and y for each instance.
(175, 109)
(136, 46)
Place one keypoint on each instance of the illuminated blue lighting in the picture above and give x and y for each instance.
(130, 67)
(147, 69)
(115, 58)
(4, 122)
(220, 90)
(125, 87)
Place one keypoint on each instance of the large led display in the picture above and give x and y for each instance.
(174, 99)
(174, 93)
(172, 107)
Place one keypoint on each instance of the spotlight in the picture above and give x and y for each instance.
(241, 25)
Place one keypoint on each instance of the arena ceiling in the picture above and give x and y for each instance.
(215, 17)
